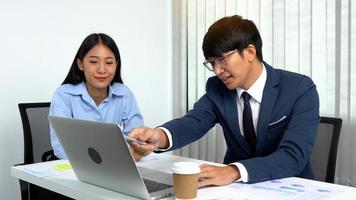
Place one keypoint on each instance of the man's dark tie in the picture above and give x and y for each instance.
(247, 122)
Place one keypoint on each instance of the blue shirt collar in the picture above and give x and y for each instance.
(81, 89)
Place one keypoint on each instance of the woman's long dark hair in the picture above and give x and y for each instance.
(75, 75)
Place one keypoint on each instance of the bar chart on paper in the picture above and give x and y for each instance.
(281, 189)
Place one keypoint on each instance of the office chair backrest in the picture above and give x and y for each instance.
(324, 154)
(37, 146)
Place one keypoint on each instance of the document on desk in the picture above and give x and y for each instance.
(52, 168)
(281, 189)
(226, 193)
(162, 162)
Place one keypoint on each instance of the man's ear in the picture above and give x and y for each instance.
(80, 64)
(250, 52)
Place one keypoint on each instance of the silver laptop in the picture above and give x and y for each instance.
(99, 155)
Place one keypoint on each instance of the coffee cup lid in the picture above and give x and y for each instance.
(185, 168)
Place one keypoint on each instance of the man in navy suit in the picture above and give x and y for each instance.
(269, 116)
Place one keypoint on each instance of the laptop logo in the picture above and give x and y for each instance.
(94, 155)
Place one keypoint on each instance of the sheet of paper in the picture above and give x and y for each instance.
(46, 169)
(151, 158)
(229, 192)
(289, 189)
(159, 162)
(281, 189)
(164, 161)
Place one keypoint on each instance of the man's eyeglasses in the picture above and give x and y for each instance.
(219, 62)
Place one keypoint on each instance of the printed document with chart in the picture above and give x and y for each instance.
(281, 189)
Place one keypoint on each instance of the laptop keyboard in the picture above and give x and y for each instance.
(153, 186)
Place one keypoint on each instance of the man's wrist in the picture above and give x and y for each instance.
(235, 172)
(163, 139)
(242, 171)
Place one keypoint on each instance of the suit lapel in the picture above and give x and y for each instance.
(270, 94)
(230, 106)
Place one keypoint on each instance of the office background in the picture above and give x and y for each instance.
(313, 37)
(160, 44)
(39, 42)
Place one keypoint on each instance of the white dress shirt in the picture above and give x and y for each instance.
(256, 92)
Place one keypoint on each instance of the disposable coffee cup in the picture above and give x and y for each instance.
(185, 180)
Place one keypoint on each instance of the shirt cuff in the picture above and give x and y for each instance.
(169, 136)
(243, 172)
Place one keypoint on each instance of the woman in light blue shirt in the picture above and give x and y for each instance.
(93, 89)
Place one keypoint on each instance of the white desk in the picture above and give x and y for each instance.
(65, 182)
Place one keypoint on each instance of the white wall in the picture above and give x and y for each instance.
(38, 43)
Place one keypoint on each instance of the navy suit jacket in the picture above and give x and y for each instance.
(286, 128)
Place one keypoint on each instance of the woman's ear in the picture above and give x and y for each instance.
(80, 64)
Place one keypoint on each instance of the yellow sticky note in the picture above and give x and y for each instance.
(61, 167)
